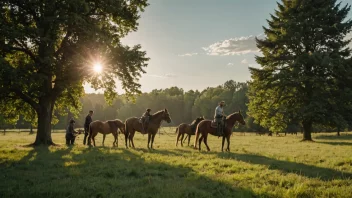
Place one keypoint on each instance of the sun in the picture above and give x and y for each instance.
(97, 68)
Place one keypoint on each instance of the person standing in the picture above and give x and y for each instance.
(86, 125)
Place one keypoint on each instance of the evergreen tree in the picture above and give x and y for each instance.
(305, 72)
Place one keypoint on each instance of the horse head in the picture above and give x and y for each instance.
(241, 119)
(198, 120)
(166, 116)
(236, 117)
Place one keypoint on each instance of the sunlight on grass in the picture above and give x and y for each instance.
(258, 166)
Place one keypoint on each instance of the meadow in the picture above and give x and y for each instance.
(257, 166)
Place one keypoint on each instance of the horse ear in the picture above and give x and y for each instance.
(165, 110)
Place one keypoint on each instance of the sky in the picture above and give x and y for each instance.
(195, 44)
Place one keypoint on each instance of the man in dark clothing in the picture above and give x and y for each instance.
(86, 125)
(71, 133)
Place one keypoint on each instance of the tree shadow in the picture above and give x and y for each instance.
(309, 171)
(107, 172)
(336, 143)
(334, 137)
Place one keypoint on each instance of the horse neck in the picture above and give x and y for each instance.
(157, 117)
(231, 119)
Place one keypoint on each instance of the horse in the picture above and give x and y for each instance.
(205, 127)
(110, 126)
(184, 128)
(133, 124)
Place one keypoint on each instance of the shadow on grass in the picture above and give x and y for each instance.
(334, 137)
(106, 172)
(310, 171)
(336, 143)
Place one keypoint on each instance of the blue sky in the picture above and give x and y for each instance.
(194, 44)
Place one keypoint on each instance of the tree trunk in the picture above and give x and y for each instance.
(307, 130)
(44, 123)
(31, 129)
(338, 131)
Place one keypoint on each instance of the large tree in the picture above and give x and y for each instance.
(48, 49)
(305, 73)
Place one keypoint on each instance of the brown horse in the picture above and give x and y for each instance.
(184, 128)
(110, 126)
(133, 124)
(204, 128)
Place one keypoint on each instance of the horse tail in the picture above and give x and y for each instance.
(176, 129)
(197, 136)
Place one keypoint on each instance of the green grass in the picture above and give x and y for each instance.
(258, 166)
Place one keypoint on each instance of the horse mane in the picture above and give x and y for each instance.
(158, 112)
(229, 116)
(194, 121)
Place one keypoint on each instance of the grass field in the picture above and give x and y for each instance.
(258, 166)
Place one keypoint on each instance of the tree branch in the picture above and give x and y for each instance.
(25, 98)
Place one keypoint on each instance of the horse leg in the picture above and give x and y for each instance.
(153, 136)
(177, 138)
(200, 141)
(189, 138)
(182, 139)
(116, 140)
(126, 137)
(149, 137)
(93, 139)
(228, 143)
(185, 138)
(223, 142)
(131, 139)
(104, 135)
(206, 142)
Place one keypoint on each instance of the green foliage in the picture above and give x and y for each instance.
(48, 49)
(304, 66)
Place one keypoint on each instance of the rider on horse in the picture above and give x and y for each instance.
(145, 119)
(219, 118)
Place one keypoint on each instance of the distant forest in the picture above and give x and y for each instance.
(184, 106)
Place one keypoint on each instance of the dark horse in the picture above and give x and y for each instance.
(204, 128)
(184, 128)
(133, 124)
(110, 126)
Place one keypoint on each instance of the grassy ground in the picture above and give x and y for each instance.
(258, 166)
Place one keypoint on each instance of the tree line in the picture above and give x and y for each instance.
(184, 107)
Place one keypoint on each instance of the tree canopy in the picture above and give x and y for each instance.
(48, 49)
(305, 75)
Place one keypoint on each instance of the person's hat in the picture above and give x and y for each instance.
(72, 120)
(148, 109)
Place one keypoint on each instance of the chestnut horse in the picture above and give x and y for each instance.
(184, 128)
(110, 126)
(133, 124)
(204, 128)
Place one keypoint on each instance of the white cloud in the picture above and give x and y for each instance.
(230, 64)
(244, 61)
(233, 46)
(188, 54)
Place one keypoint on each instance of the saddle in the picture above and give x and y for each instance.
(214, 124)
